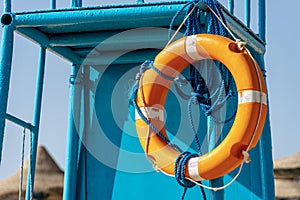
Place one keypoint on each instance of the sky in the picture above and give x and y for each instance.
(283, 80)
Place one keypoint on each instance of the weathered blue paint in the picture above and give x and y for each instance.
(262, 19)
(18, 121)
(5, 70)
(71, 165)
(36, 118)
(247, 11)
(140, 1)
(151, 14)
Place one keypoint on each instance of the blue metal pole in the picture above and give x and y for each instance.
(19, 121)
(72, 142)
(36, 119)
(147, 16)
(262, 19)
(53, 4)
(43, 40)
(5, 70)
(231, 6)
(7, 6)
(76, 3)
(265, 148)
(247, 11)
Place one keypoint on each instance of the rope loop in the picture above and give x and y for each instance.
(179, 169)
(216, 25)
(169, 78)
(134, 94)
(144, 67)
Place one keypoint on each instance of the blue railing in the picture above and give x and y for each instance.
(248, 12)
(230, 7)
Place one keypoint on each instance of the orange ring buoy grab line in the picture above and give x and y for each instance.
(250, 115)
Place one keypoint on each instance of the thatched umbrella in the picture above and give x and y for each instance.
(48, 179)
(287, 189)
(288, 167)
(287, 177)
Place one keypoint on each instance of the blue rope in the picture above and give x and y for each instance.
(193, 26)
(179, 170)
(169, 78)
(183, 157)
(165, 139)
(193, 100)
(134, 90)
(175, 17)
(201, 94)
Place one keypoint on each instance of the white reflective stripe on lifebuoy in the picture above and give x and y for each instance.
(191, 47)
(252, 96)
(151, 112)
(193, 169)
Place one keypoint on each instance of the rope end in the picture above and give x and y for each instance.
(240, 45)
(246, 155)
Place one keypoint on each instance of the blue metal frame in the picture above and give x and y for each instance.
(5, 70)
(247, 15)
(76, 3)
(53, 4)
(43, 39)
(36, 120)
(19, 122)
(7, 6)
(72, 142)
(231, 6)
(262, 19)
(125, 14)
(247, 11)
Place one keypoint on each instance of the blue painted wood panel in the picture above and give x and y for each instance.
(113, 166)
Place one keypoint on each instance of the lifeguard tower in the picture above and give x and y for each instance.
(105, 45)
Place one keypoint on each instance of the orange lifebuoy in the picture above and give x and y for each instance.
(251, 108)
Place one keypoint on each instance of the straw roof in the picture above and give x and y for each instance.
(287, 177)
(48, 179)
(288, 167)
(287, 189)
